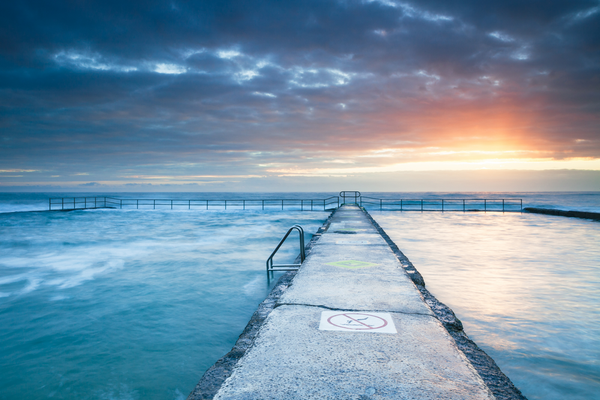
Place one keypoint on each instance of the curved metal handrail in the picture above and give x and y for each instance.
(355, 193)
(287, 267)
(350, 194)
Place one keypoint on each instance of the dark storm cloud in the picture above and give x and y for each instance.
(124, 87)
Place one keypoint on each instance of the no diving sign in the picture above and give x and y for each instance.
(357, 322)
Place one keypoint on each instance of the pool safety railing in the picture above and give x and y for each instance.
(442, 205)
(271, 267)
(81, 203)
(327, 204)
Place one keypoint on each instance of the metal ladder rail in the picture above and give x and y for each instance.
(287, 267)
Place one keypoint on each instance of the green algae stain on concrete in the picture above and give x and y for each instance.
(352, 264)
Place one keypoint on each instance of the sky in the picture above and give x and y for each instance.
(300, 95)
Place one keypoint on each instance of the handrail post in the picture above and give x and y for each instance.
(154, 206)
(263, 205)
(311, 205)
(121, 201)
(244, 203)
(63, 203)
(226, 204)
(301, 205)
(49, 204)
(74, 206)
(282, 204)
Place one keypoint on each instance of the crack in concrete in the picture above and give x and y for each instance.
(352, 309)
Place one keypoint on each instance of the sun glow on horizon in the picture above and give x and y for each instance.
(527, 164)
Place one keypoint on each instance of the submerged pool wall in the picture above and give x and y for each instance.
(573, 214)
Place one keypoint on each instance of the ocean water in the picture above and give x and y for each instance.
(525, 286)
(137, 304)
(126, 304)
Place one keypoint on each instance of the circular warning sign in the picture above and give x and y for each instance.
(357, 321)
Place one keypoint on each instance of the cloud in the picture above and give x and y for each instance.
(125, 88)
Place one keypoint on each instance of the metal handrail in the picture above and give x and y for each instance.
(353, 193)
(79, 203)
(287, 267)
(75, 203)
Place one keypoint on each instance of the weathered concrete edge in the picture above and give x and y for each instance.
(573, 214)
(499, 384)
(215, 376)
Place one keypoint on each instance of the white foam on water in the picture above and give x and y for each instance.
(254, 285)
(121, 392)
(12, 279)
(33, 283)
(72, 266)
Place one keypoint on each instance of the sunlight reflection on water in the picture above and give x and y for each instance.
(527, 288)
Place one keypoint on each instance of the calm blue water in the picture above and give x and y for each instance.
(112, 304)
(526, 287)
(128, 304)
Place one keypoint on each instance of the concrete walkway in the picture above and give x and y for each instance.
(353, 326)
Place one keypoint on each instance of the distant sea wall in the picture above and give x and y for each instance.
(573, 214)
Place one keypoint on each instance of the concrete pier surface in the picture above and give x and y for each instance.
(352, 324)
